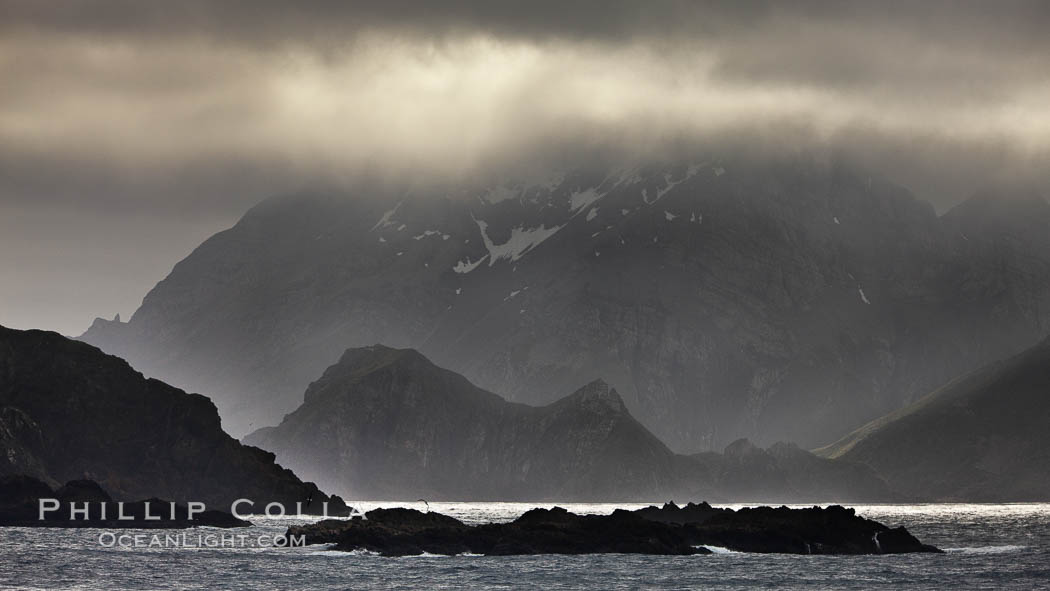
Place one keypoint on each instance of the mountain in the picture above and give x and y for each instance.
(982, 437)
(68, 412)
(388, 423)
(791, 300)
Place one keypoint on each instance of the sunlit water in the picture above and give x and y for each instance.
(989, 547)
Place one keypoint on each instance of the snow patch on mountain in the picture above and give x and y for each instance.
(580, 199)
(388, 218)
(626, 177)
(553, 181)
(521, 241)
(466, 266)
(668, 178)
(593, 213)
(499, 194)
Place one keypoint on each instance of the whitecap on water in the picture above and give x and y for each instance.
(718, 549)
(986, 550)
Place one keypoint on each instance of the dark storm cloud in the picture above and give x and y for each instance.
(193, 110)
(307, 88)
(1017, 23)
(964, 48)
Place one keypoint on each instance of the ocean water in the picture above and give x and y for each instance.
(988, 547)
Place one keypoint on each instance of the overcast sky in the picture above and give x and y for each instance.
(130, 131)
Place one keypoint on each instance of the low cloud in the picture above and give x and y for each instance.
(221, 98)
(195, 110)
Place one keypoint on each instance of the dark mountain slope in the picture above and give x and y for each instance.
(982, 437)
(69, 411)
(785, 473)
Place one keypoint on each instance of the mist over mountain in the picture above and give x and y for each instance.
(791, 300)
(981, 437)
(70, 412)
(387, 423)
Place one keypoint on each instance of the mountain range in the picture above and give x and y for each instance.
(387, 423)
(793, 300)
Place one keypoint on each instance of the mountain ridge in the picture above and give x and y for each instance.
(980, 437)
(388, 423)
(721, 299)
(396, 408)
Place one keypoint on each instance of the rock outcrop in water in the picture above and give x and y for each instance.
(792, 301)
(815, 530)
(982, 437)
(387, 423)
(69, 411)
(670, 530)
(83, 503)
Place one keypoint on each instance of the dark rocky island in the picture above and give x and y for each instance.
(70, 412)
(83, 503)
(670, 530)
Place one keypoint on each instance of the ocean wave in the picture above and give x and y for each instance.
(718, 549)
(329, 551)
(986, 549)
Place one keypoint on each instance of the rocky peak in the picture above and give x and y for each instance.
(363, 360)
(599, 396)
(383, 376)
(387, 423)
